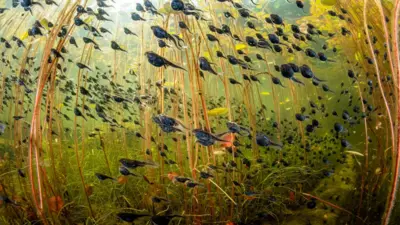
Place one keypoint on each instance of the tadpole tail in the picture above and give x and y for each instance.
(172, 38)
(284, 44)
(317, 79)
(223, 133)
(246, 130)
(154, 11)
(211, 70)
(253, 2)
(151, 164)
(276, 144)
(174, 65)
(38, 3)
(88, 68)
(253, 16)
(179, 40)
(297, 81)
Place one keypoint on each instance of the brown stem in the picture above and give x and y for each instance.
(396, 159)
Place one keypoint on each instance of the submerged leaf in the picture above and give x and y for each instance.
(240, 46)
(328, 2)
(88, 20)
(45, 23)
(207, 55)
(55, 203)
(219, 152)
(122, 179)
(89, 189)
(217, 111)
(24, 36)
(354, 153)
(266, 93)
(229, 138)
(166, 8)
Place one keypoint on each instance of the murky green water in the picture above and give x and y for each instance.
(204, 112)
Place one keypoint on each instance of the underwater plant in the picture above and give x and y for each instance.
(199, 112)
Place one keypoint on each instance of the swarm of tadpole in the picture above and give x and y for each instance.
(208, 112)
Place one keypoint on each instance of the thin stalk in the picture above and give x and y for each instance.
(396, 160)
(78, 160)
(331, 204)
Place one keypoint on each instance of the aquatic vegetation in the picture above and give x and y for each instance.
(202, 112)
